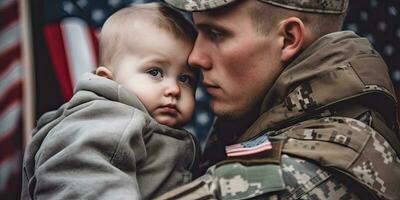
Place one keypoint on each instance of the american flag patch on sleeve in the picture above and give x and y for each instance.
(253, 146)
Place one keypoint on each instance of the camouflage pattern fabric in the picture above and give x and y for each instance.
(350, 146)
(314, 6)
(198, 5)
(306, 180)
(233, 181)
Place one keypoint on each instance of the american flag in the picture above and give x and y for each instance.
(67, 30)
(10, 100)
(251, 147)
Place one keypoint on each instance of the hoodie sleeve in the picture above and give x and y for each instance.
(92, 153)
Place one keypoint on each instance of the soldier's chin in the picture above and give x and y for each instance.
(226, 112)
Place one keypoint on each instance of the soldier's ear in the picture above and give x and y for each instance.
(104, 72)
(293, 32)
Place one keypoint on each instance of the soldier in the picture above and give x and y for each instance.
(305, 111)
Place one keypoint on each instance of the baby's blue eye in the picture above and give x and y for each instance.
(156, 72)
(186, 79)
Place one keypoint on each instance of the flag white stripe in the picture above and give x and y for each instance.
(233, 146)
(243, 153)
(5, 3)
(8, 167)
(10, 36)
(11, 76)
(247, 148)
(10, 118)
(78, 47)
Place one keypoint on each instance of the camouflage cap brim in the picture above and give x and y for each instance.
(314, 6)
(198, 5)
(323, 7)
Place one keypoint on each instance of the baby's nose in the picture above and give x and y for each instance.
(172, 89)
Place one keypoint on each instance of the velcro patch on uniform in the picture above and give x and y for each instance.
(235, 181)
(254, 146)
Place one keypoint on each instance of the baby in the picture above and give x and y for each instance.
(119, 137)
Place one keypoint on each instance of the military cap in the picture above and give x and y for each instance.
(315, 6)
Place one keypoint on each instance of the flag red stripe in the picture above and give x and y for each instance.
(255, 151)
(11, 142)
(231, 150)
(8, 15)
(58, 57)
(9, 96)
(95, 44)
(11, 139)
(8, 57)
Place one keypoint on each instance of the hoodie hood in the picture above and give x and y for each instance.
(106, 88)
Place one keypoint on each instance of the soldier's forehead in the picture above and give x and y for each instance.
(315, 6)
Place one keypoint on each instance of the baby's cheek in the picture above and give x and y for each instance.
(190, 104)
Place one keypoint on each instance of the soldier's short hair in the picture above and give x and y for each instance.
(164, 17)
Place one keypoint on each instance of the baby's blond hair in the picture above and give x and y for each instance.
(112, 37)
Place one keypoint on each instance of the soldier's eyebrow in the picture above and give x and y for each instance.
(208, 26)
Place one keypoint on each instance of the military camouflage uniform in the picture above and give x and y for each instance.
(331, 118)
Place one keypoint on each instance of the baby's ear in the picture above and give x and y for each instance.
(104, 72)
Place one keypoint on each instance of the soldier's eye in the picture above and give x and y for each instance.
(215, 35)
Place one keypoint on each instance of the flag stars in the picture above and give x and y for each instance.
(396, 75)
(199, 93)
(114, 3)
(393, 11)
(370, 37)
(68, 7)
(389, 50)
(382, 26)
(374, 3)
(98, 15)
(202, 118)
(352, 27)
(82, 3)
(364, 15)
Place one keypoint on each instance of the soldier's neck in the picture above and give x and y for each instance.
(231, 129)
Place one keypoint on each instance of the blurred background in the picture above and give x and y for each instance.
(45, 45)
